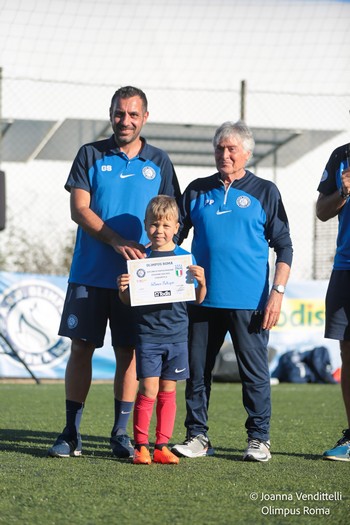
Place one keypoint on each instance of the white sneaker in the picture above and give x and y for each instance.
(257, 450)
(194, 447)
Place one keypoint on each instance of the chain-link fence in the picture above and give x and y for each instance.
(63, 60)
(37, 154)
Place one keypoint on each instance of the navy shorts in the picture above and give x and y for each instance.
(164, 360)
(338, 306)
(88, 309)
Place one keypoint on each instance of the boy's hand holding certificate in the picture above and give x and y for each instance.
(161, 280)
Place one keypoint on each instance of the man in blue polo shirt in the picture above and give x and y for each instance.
(236, 217)
(111, 182)
(334, 200)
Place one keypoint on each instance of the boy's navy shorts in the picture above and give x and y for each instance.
(164, 360)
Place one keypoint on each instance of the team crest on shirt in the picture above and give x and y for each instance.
(72, 321)
(243, 201)
(324, 176)
(148, 172)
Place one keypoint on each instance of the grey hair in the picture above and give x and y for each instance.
(237, 129)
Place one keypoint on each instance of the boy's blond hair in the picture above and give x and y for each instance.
(162, 207)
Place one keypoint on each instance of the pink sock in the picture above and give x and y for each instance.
(166, 412)
(143, 410)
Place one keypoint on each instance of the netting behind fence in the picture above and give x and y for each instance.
(62, 61)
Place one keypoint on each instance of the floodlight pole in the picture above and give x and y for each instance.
(0, 115)
(243, 99)
(2, 174)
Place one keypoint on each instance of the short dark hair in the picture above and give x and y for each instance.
(128, 92)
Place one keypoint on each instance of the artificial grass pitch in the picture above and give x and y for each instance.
(296, 486)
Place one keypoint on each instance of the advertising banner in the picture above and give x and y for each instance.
(31, 306)
(30, 313)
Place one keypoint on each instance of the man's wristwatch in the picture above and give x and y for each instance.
(343, 195)
(279, 288)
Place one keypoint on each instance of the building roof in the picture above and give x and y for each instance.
(186, 144)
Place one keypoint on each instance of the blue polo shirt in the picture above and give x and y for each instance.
(330, 182)
(120, 190)
(233, 230)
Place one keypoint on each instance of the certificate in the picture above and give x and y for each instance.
(161, 280)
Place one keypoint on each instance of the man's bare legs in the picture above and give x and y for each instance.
(125, 382)
(79, 371)
(77, 384)
(341, 450)
(345, 376)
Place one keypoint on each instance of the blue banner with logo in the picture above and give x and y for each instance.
(30, 312)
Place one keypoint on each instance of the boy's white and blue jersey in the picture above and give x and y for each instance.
(120, 190)
(330, 182)
(163, 323)
(233, 230)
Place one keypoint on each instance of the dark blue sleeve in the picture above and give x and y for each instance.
(184, 203)
(169, 184)
(277, 227)
(328, 183)
(78, 175)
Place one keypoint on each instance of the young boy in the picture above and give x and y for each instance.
(162, 340)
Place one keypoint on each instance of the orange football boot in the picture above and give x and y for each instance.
(165, 456)
(142, 456)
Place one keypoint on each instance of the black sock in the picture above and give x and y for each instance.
(138, 447)
(74, 412)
